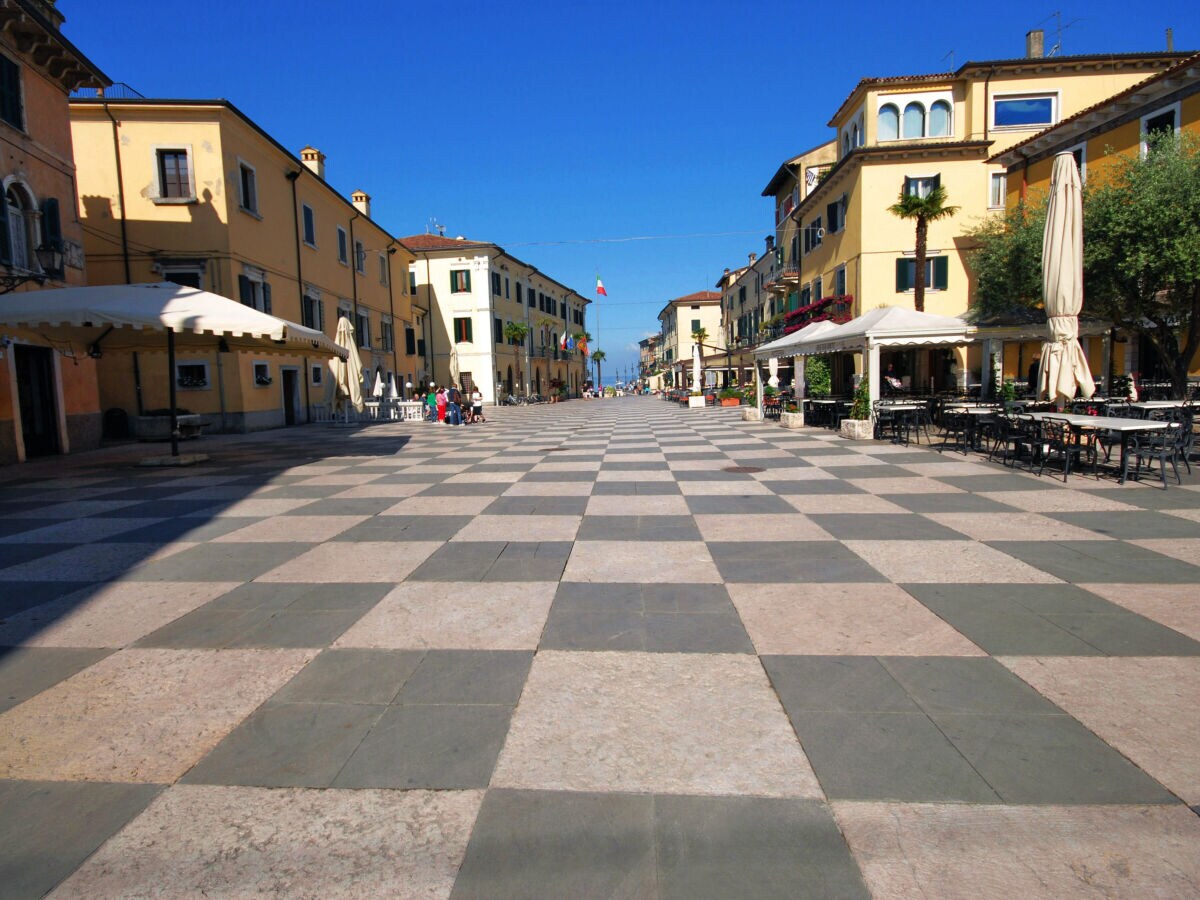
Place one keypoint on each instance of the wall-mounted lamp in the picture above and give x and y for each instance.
(50, 259)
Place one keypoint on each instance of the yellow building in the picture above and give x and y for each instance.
(681, 318)
(1097, 137)
(196, 193)
(48, 400)
(908, 134)
(475, 289)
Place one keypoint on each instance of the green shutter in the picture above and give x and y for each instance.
(941, 269)
(245, 291)
(51, 223)
(903, 275)
(466, 277)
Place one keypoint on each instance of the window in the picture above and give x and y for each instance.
(997, 185)
(819, 289)
(310, 225)
(192, 376)
(387, 335)
(183, 277)
(317, 374)
(562, 309)
(518, 298)
(921, 185)
(507, 296)
(839, 282)
(888, 123)
(174, 175)
(383, 268)
(11, 107)
(412, 282)
(362, 329)
(835, 215)
(248, 186)
(813, 235)
(360, 257)
(496, 283)
(462, 330)
(1160, 122)
(1024, 111)
(939, 119)
(410, 341)
(262, 374)
(312, 311)
(695, 326)
(498, 328)
(343, 246)
(913, 125)
(254, 291)
(17, 245)
(460, 281)
(936, 272)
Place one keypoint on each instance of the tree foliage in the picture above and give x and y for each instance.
(924, 210)
(1007, 261)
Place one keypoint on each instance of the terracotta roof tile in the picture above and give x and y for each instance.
(438, 242)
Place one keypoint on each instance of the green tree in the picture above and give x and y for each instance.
(1141, 248)
(517, 332)
(1006, 260)
(700, 335)
(817, 381)
(924, 210)
(598, 356)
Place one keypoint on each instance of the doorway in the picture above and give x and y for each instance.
(291, 395)
(35, 390)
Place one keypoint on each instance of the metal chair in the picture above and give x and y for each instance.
(1152, 445)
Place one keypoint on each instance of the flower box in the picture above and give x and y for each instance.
(731, 401)
(791, 419)
(857, 429)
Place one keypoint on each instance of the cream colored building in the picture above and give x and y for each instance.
(680, 319)
(475, 289)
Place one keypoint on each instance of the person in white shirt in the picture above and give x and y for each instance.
(477, 406)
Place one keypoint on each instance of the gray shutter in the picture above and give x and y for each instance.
(321, 315)
(266, 289)
(941, 272)
(51, 223)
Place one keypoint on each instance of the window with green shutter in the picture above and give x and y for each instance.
(462, 330)
(460, 281)
(937, 272)
(11, 110)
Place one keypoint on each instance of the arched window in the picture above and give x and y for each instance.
(889, 123)
(17, 240)
(939, 119)
(845, 144)
(914, 121)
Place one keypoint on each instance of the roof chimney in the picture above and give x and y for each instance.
(362, 202)
(315, 160)
(753, 257)
(770, 242)
(1035, 44)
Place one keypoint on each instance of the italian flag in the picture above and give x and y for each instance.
(600, 287)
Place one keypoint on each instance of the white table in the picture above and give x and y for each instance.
(1123, 427)
(1157, 404)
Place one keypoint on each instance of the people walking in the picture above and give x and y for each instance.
(453, 405)
(477, 406)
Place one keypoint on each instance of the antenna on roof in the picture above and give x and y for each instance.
(1059, 28)
(949, 56)
(434, 225)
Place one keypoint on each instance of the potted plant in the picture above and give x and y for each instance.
(858, 427)
(792, 416)
(730, 397)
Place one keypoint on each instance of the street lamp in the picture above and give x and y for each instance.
(50, 261)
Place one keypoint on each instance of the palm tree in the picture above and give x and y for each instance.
(517, 332)
(598, 357)
(699, 336)
(925, 209)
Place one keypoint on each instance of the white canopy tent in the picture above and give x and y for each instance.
(788, 347)
(131, 317)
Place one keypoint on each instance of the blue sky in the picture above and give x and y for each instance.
(562, 130)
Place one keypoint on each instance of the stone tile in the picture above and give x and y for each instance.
(527, 528)
(543, 489)
(352, 676)
(311, 529)
(1172, 605)
(866, 504)
(255, 508)
(109, 615)
(913, 484)
(420, 615)
(353, 562)
(1043, 501)
(216, 562)
(957, 850)
(377, 490)
(790, 563)
(660, 562)
(962, 502)
(946, 686)
(1143, 707)
(97, 561)
(830, 489)
(231, 840)
(162, 711)
(779, 527)
(836, 684)
(467, 677)
(645, 505)
(843, 619)
(1013, 526)
(671, 723)
(49, 828)
(1101, 561)
(606, 474)
(738, 505)
(946, 561)
(392, 529)
(537, 506)
(884, 527)
(26, 672)
(1136, 524)
(733, 489)
(423, 505)
(69, 531)
(1183, 549)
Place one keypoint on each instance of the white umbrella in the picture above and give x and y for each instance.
(392, 392)
(696, 383)
(377, 388)
(773, 368)
(454, 366)
(1064, 367)
(347, 375)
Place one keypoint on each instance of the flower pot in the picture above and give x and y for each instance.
(731, 401)
(857, 429)
(695, 402)
(751, 414)
(791, 419)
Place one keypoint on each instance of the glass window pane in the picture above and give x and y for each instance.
(914, 121)
(1025, 111)
(939, 119)
(889, 123)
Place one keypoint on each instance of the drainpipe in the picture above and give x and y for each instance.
(137, 371)
(293, 177)
(987, 111)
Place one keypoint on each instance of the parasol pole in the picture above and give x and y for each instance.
(171, 377)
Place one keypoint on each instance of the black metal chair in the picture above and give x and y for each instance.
(1151, 446)
(1060, 441)
(955, 432)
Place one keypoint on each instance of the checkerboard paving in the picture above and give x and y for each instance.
(595, 649)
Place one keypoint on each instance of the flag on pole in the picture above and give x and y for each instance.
(562, 344)
(600, 291)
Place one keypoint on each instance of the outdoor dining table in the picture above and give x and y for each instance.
(1157, 404)
(1126, 428)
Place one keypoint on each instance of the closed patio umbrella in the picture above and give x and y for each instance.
(696, 370)
(347, 374)
(377, 388)
(1064, 367)
(773, 368)
(454, 372)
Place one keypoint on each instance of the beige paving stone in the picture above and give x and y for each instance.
(582, 465)
(842, 503)
(949, 469)
(765, 453)
(376, 489)
(637, 505)
(1015, 526)
(346, 478)
(454, 615)
(659, 562)
(1185, 549)
(971, 851)
(634, 475)
(483, 478)
(698, 465)
(843, 619)
(1146, 707)
(1174, 605)
(916, 485)
(765, 527)
(213, 841)
(1192, 515)
(946, 562)
(635, 457)
(439, 506)
(675, 723)
(312, 529)
(739, 488)
(1048, 501)
(847, 459)
(354, 562)
(140, 715)
(255, 507)
(524, 528)
(108, 615)
(548, 488)
(793, 473)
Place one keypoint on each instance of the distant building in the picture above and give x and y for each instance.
(680, 319)
(49, 401)
(475, 289)
(195, 192)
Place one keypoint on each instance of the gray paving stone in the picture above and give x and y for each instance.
(638, 528)
(734, 504)
(468, 677)
(946, 503)
(1100, 561)
(836, 684)
(817, 562)
(27, 671)
(635, 488)
(1130, 526)
(404, 528)
(943, 685)
(537, 506)
(352, 676)
(883, 527)
(219, 562)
